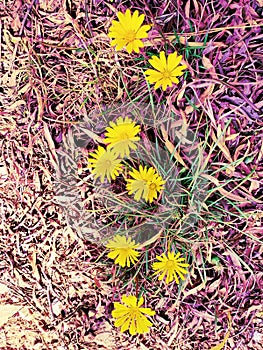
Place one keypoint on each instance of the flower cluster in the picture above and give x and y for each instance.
(128, 33)
(105, 162)
(121, 138)
(145, 183)
(124, 251)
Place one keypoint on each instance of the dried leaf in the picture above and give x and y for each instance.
(213, 286)
(209, 66)
(40, 104)
(16, 23)
(171, 147)
(53, 155)
(207, 93)
(231, 137)
(255, 185)
(7, 311)
(187, 9)
(25, 88)
(15, 105)
(223, 342)
(151, 240)
(227, 194)
(3, 172)
(220, 141)
(32, 259)
(20, 280)
(260, 154)
(194, 290)
(3, 288)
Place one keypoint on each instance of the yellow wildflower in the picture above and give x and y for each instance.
(145, 183)
(166, 70)
(104, 163)
(123, 250)
(130, 316)
(121, 136)
(170, 266)
(129, 31)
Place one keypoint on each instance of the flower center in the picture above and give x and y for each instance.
(166, 74)
(124, 136)
(107, 163)
(124, 249)
(134, 312)
(170, 264)
(130, 36)
(153, 186)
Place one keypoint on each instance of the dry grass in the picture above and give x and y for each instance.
(57, 67)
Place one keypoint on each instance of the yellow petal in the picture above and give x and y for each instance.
(165, 83)
(125, 325)
(134, 46)
(129, 300)
(157, 64)
(125, 19)
(132, 328)
(173, 60)
(153, 75)
(157, 85)
(178, 71)
(142, 32)
(137, 20)
(113, 254)
(140, 301)
(143, 325)
(147, 311)
(175, 80)
(163, 59)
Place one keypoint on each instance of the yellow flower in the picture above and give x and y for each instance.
(145, 183)
(123, 250)
(167, 70)
(121, 136)
(128, 31)
(131, 315)
(105, 163)
(170, 266)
